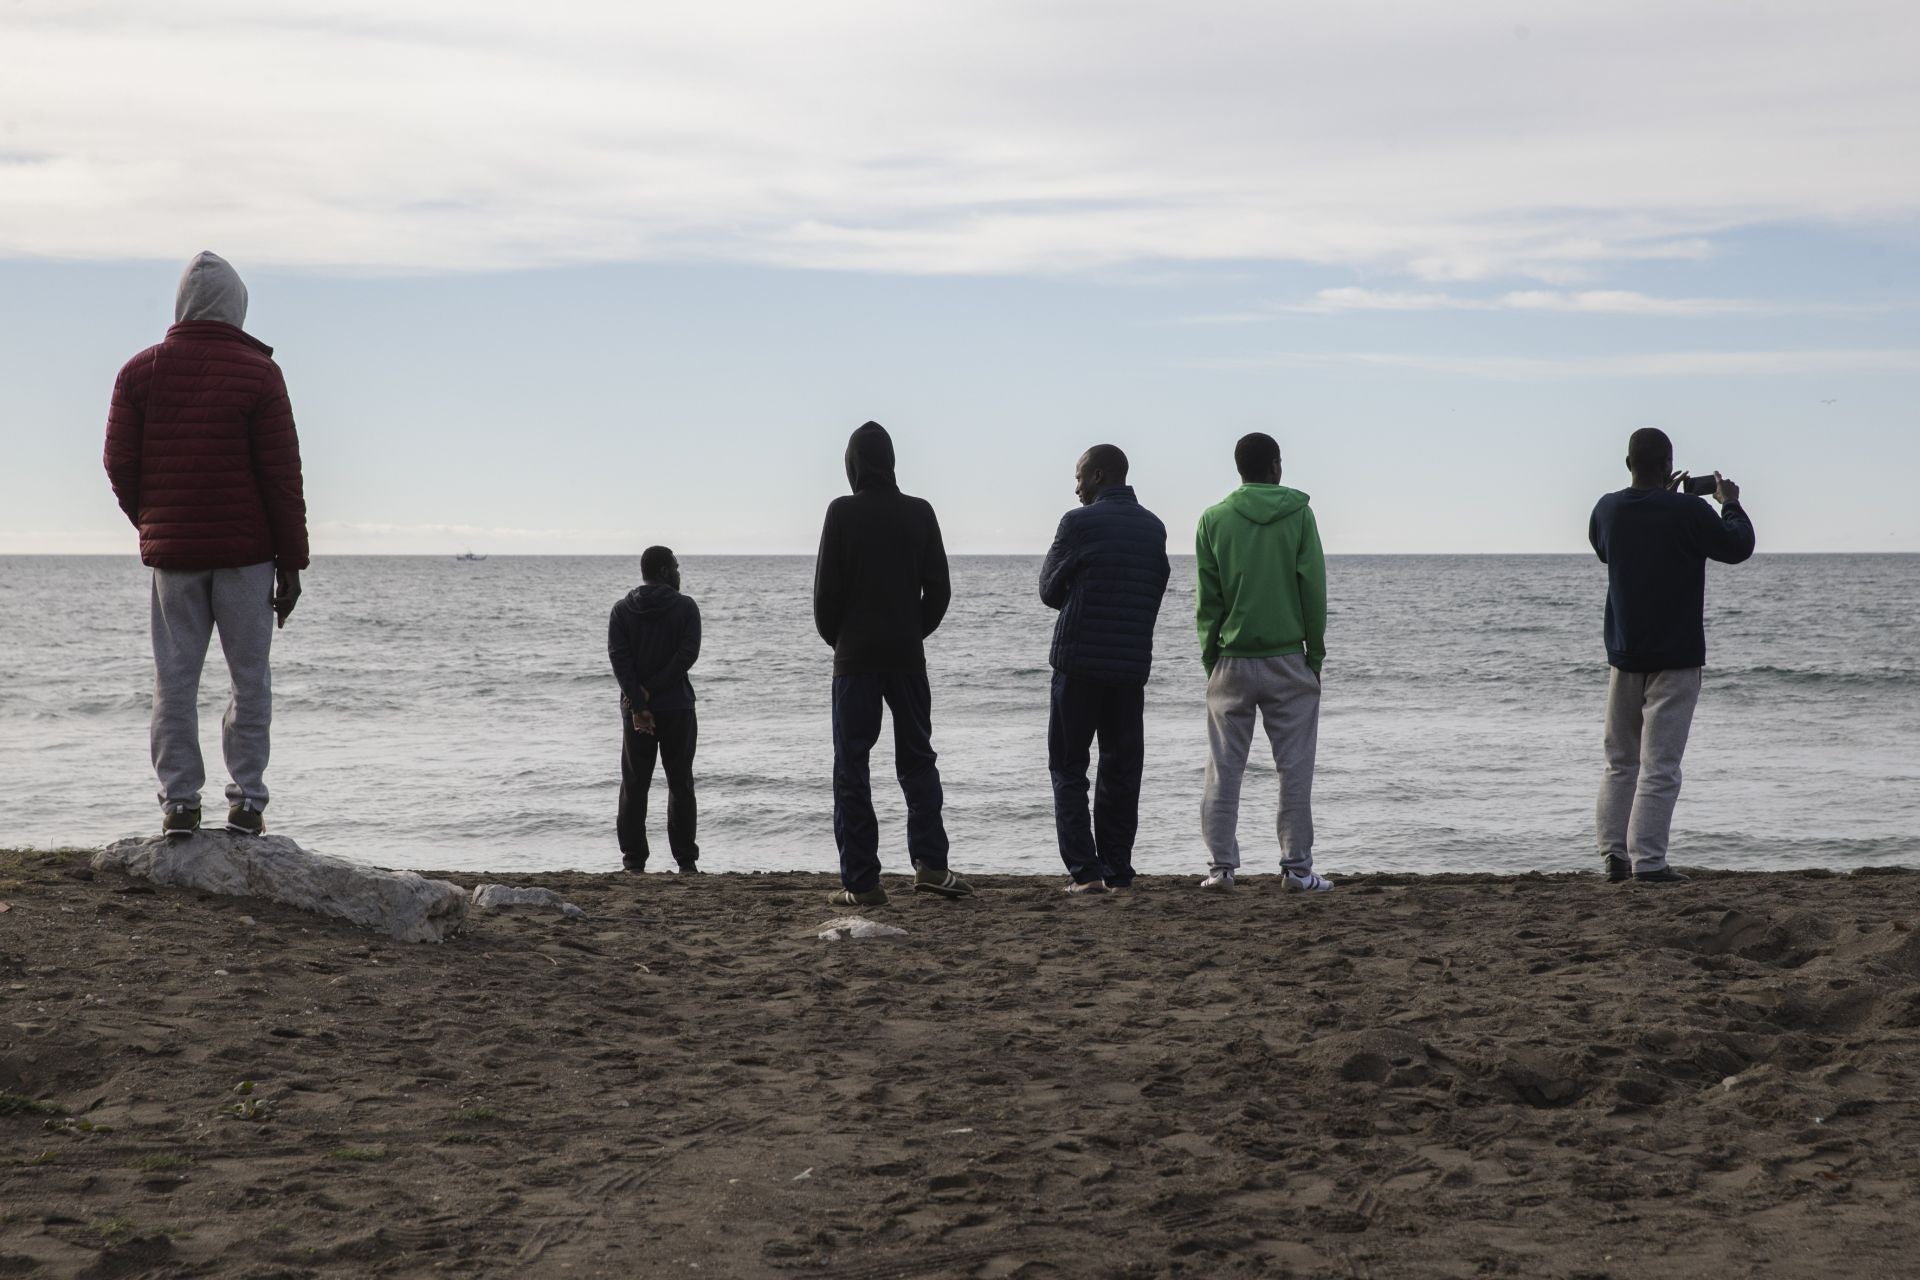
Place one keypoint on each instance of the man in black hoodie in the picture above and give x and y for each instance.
(653, 638)
(880, 588)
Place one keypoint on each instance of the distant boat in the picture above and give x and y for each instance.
(469, 556)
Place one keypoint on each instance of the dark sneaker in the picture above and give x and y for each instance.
(941, 881)
(179, 822)
(691, 869)
(633, 865)
(243, 821)
(1665, 875)
(1085, 886)
(1619, 870)
(848, 898)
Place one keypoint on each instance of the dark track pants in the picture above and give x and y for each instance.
(677, 734)
(857, 700)
(1083, 709)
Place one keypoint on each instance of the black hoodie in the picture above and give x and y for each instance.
(880, 585)
(653, 638)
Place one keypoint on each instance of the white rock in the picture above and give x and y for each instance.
(492, 897)
(858, 927)
(400, 904)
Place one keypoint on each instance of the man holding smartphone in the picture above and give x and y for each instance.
(1655, 537)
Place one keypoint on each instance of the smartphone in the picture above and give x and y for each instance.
(1703, 486)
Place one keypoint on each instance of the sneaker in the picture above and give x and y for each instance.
(1619, 870)
(1084, 886)
(635, 866)
(1305, 882)
(1220, 879)
(691, 869)
(243, 821)
(1665, 875)
(1118, 885)
(941, 881)
(875, 897)
(179, 822)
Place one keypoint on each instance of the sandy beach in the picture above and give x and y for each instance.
(1535, 1076)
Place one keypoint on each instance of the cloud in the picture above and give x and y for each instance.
(1669, 364)
(354, 530)
(1585, 302)
(996, 136)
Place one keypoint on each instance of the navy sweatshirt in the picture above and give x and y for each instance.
(880, 584)
(653, 638)
(1656, 544)
(1105, 573)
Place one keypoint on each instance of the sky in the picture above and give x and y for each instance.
(584, 277)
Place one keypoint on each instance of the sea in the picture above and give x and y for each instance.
(437, 713)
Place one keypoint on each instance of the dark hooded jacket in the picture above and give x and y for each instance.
(653, 638)
(880, 585)
(201, 449)
(1106, 573)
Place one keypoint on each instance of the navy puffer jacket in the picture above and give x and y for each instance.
(1106, 573)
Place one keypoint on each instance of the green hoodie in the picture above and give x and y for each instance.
(1263, 577)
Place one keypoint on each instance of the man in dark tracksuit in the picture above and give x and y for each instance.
(653, 638)
(1106, 573)
(880, 588)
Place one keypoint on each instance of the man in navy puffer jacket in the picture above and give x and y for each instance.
(1105, 573)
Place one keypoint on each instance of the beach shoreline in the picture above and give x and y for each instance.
(1538, 1075)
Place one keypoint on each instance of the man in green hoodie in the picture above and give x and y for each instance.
(1263, 636)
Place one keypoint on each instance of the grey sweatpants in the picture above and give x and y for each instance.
(188, 604)
(1648, 716)
(1285, 693)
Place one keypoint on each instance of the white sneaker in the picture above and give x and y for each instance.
(1220, 879)
(1305, 882)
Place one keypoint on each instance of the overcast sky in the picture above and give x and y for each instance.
(582, 277)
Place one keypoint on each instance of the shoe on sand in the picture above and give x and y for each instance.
(1665, 875)
(941, 881)
(179, 822)
(243, 821)
(848, 898)
(691, 869)
(1305, 882)
(1619, 870)
(1084, 886)
(1219, 880)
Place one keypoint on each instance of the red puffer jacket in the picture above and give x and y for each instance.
(202, 453)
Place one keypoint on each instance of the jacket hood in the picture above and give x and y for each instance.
(870, 458)
(210, 289)
(651, 598)
(1266, 503)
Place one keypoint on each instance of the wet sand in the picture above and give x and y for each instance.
(1473, 1076)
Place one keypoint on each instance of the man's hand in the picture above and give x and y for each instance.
(1724, 490)
(286, 593)
(1677, 481)
(643, 722)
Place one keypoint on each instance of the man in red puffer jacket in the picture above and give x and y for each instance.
(204, 460)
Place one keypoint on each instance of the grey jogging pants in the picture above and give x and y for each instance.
(1285, 693)
(1649, 714)
(188, 606)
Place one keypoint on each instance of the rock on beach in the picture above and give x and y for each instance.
(404, 906)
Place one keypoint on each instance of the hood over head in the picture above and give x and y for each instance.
(1266, 503)
(870, 458)
(210, 289)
